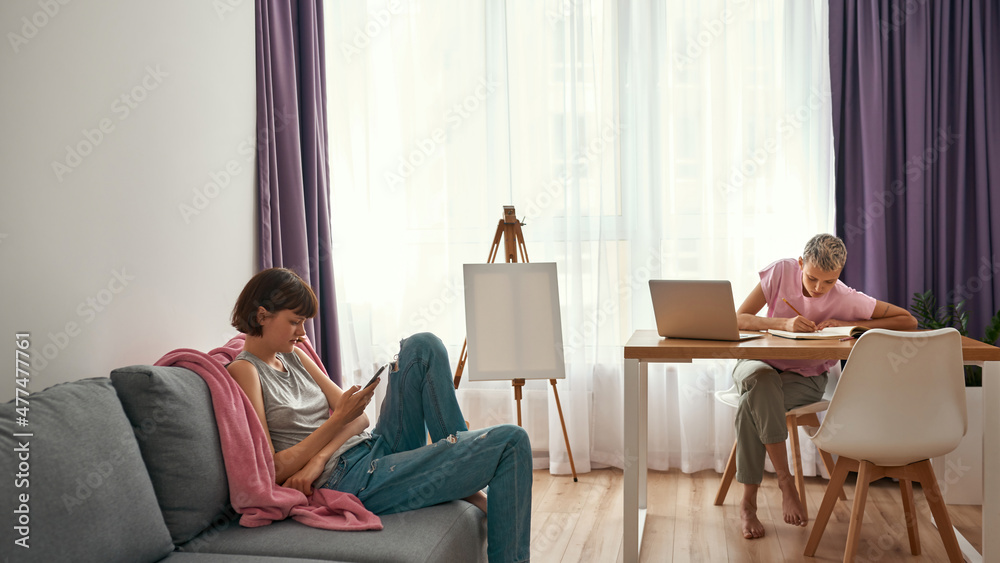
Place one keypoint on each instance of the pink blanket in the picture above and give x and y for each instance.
(249, 463)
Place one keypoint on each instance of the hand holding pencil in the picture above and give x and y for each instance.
(799, 323)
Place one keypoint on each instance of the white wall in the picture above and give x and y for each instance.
(98, 262)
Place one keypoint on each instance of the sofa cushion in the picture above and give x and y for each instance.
(181, 557)
(453, 531)
(89, 497)
(171, 413)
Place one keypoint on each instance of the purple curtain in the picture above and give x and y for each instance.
(293, 174)
(916, 120)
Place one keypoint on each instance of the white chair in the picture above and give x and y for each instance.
(805, 415)
(899, 403)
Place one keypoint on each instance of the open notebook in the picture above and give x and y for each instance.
(828, 333)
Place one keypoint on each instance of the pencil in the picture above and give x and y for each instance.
(793, 308)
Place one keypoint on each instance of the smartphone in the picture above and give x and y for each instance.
(374, 377)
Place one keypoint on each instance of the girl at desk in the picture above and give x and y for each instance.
(802, 295)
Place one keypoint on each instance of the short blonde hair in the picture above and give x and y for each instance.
(826, 252)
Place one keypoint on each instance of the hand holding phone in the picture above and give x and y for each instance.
(374, 377)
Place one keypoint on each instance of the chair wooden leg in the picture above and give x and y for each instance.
(858, 510)
(800, 479)
(933, 494)
(906, 490)
(837, 478)
(828, 463)
(727, 478)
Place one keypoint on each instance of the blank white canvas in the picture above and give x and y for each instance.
(513, 323)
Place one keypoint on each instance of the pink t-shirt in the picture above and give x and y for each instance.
(783, 279)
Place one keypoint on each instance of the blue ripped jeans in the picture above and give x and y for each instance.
(397, 470)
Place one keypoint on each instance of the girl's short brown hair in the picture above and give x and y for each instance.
(274, 289)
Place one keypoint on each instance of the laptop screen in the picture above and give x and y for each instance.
(697, 309)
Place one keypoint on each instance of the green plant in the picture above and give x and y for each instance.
(930, 315)
(992, 330)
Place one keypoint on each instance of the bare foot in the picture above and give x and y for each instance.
(752, 528)
(791, 506)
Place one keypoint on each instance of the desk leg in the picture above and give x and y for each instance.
(634, 497)
(643, 443)
(991, 461)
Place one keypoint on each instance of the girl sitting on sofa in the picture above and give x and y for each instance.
(391, 468)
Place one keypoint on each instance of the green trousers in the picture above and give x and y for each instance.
(765, 396)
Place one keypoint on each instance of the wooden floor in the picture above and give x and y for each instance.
(576, 522)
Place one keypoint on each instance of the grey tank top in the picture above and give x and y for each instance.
(294, 407)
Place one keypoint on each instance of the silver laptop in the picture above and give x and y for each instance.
(701, 310)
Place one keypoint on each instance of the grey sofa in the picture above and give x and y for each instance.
(129, 468)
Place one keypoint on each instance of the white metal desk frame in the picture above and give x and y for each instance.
(636, 426)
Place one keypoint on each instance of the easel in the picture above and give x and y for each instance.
(510, 229)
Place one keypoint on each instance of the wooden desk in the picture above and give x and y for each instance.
(646, 346)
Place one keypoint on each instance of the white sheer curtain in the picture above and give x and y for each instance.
(636, 140)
